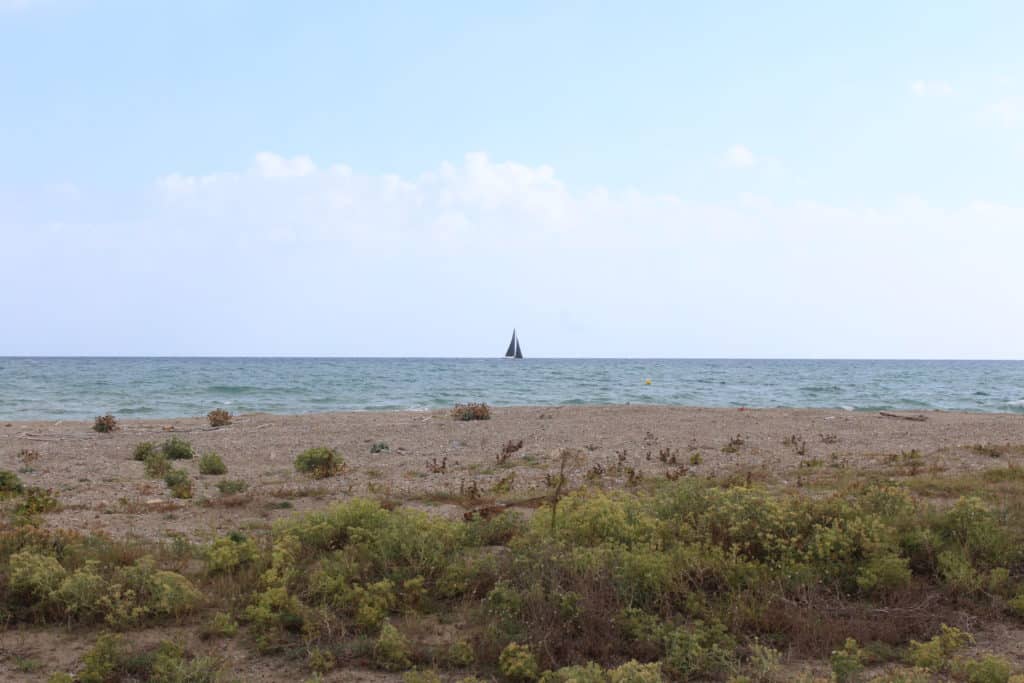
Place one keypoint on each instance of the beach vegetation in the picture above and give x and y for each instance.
(179, 483)
(508, 450)
(105, 424)
(219, 417)
(143, 450)
(211, 463)
(230, 487)
(380, 447)
(466, 412)
(176, 448)
(10, 484)
(319, 463)
(157, 465)
(693, 579)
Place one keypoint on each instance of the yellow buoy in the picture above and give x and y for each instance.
(647, 381)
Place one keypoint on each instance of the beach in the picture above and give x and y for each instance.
(431, 459)
(467, 472)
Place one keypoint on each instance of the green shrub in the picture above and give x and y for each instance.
(219, 417)
(229, 487)
(157, 465)
(211, 463)
(82, 594)
(847, 662)
(988, 669)
(391, 650)
(177, 449)
(319, 660)
(935, 654)
(884, 575)
(105, 423)
(380, 447)
(1016, 605)
(143, 450)
(102, 663)
(179, 483)
(230, 552)
(33, 575)
(222, 625)
(320, 462)
(698, 651)
(60, 677)
(34, 503)
(518, 663)
(763, 662)
(10, 483)
(634, 672)
(460, 655)
(589, 673)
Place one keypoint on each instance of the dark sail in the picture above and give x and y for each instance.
(519, 351)
(512, 346)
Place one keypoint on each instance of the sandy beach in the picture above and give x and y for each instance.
(432, 459)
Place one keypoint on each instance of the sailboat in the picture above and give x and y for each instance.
(513, 347)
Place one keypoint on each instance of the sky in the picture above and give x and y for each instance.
(619, 179)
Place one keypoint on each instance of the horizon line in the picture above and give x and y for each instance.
(502, 358)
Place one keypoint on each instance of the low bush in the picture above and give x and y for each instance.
(10, 483)
(391, 650)
(157, 465)
(179, 483)
(518, 663)
(988, 669)
(319, 463)
(211, 463)
(143, 450)
(219, 417)
(380, 447)
(34, 502)
(177, 449)
(105, 423)
(471, 411)
(229, 487)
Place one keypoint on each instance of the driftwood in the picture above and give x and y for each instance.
(912, 418)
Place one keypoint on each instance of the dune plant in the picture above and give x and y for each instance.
(179, 483)
(219, 417)
(143, 450)
(176, 448)
(466, 412)
(320, 462)
(230, 487)
(105, 423)
(211, 463)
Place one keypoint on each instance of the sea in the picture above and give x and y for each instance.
(82, 388)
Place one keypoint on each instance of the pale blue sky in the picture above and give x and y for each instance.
(615, 179)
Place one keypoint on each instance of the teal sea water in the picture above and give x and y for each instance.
(81, 388)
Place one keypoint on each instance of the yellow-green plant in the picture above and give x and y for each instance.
(319, 463)
(518, 663)
(391, 649)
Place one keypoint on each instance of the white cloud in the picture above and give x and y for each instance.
(273, 166)
(325, 259)
(931, 89)
(1008, 111)
(738, 156)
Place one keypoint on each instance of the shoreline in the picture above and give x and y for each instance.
(838, 410)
